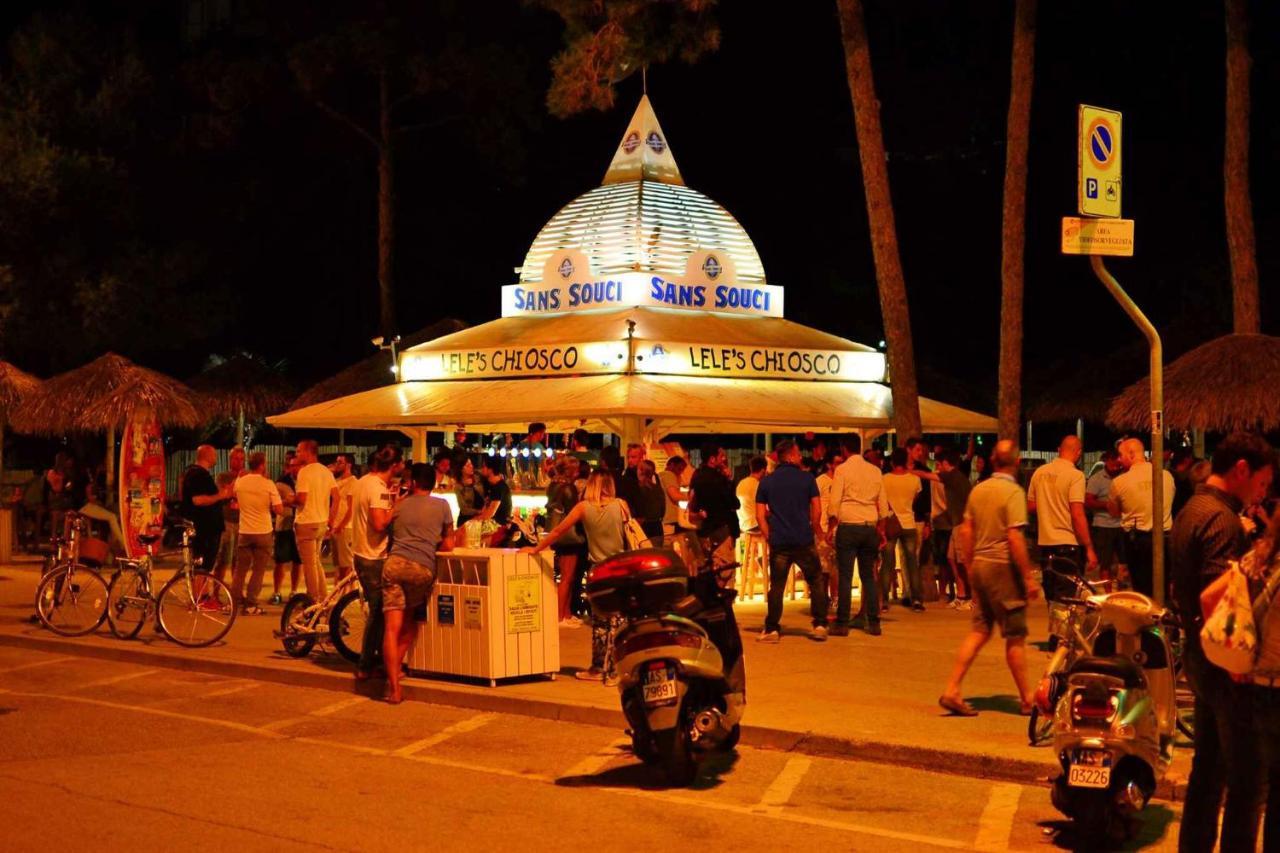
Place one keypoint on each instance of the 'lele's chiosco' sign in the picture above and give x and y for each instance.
(751, 362)
(500, 362)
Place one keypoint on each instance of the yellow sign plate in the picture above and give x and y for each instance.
(1098, 162)
(1097, 236)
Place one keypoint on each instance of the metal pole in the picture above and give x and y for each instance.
(1157, 420)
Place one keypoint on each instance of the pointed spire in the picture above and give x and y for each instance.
(643, 152)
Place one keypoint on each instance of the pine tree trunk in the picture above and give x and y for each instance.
(1015, 218)
(1240, 241)
(884, 237)
(386, 213)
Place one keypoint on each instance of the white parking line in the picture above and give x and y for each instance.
(338, 706)
(227, 691)
(784, 785)
(594, 763)
(997, 818)
(470, 724)
(115, 679)
(32, 665)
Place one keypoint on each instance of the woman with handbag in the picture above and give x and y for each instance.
(603, 516)
(570, 548)
(900, 489)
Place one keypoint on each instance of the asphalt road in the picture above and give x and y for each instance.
(114, 756)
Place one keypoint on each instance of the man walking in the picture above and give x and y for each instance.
(789, 513)
(258, 500)
(858, 508)
(1131, 501)
(1108, 537)
(1206, 537)
(371, 507)
(346, 483)
(1056, 495)
(994, 549)
(202, 506)
(317, 513)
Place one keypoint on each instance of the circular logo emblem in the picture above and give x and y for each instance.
(632, 142)
(655, 143)
(712, 267)
(566, 268)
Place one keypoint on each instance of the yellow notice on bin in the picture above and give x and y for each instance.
(524, 603)
(1097, 236)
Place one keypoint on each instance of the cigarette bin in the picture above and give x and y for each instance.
(492, 615)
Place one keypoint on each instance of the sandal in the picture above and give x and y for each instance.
(957, 707)
(392, 700)
(252, 611)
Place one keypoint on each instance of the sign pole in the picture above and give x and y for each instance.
(1157, 421)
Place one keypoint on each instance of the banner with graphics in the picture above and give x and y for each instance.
(141, 480)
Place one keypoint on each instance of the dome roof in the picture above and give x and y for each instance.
(643, 218)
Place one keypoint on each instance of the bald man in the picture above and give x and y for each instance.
(202, 501)
(1056, 496)
(993, 547)
(1131, 503)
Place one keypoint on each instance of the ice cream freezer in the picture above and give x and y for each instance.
(492, 615)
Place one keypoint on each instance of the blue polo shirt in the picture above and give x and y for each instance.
(788, 491)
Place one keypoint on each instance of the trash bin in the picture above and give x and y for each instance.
(492, 615)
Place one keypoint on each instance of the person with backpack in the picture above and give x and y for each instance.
(1262, 566)
(1207, 537)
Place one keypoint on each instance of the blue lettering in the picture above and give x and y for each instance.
(519, 292)
(655, 288)
(574, 297)
(555, 299)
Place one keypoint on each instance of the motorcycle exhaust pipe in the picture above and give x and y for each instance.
(1131, 798)
(710, 724)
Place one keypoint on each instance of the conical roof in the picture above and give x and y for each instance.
(644, 152)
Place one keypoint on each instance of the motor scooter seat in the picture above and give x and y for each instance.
(1125, 670)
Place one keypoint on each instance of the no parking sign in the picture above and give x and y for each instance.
(1098, 158)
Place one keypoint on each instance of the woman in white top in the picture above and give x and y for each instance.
(900, 489)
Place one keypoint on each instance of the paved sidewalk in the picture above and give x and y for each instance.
(873, 698)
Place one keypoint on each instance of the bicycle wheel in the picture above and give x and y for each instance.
(128, 603)
(72, 600)
(347, 624)
(290, 626)
(195, 609)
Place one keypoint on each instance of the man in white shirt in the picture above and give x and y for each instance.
(258, 500)
(316, 514)
(371, 506)
(1056, 496)
(1131, 502)
(346, 482)
(856, 524)
(746, 493)
(1108, 537)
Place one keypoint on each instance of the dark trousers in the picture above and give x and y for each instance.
(1226, 760)
(1054, 586)
(204, 547)
(1266, 722)
(370, 574)
(860, 541)
(780, 562)
(1138, 551)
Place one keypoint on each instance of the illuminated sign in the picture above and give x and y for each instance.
(750, 362)
(628, 290)
(499, 362)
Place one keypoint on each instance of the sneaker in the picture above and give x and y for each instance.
(819, 633)
(874, 630)
(858, 623)
(769, 637)
(571, 622)
(593, 674)
(918, 607)
(953, 604)
(839, 630)
(276, 600)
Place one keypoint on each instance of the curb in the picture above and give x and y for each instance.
(807, 743)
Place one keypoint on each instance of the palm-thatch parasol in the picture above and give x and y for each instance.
(15, 387)
(102, 396)
(1224, 385)
(243, 386)
(374, 371)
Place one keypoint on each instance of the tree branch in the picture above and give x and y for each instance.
(428, 125)
(343, 118)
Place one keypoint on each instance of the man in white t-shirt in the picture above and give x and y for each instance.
(1056, 496)
(258, 500)
(371, 506)
(346, 482)
(746, 493)
(316, 514)
(1131, 502)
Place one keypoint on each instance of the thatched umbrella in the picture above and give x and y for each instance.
(1224, 385)
(102, 396)
(15, 387)
(241, 387)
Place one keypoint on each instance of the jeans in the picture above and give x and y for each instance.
(1226, 759)
(912, 582)
(1266, 722)
(370, 574)
(310, 537)
(861, 541)
(780, 562)
(253, 554)
(227, 548)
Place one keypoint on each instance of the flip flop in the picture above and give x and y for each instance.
(957, 707)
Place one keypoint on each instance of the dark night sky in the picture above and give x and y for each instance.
(765, 127)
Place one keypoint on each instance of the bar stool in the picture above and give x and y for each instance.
(755, 564)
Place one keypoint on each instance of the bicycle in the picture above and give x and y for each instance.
(71, 598)
(192, 609)
(341, 617)
(1072, 633)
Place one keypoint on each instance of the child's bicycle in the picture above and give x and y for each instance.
(340, 619)
(192, 609)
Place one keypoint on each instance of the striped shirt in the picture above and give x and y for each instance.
(1206, 536)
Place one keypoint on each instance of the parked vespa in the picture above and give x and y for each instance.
(678, 653)
(1114, 723)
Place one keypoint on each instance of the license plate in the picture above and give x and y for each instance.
(660, 686)
(1090, 768)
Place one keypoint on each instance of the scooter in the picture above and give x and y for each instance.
(681, 675)
(1114, 723)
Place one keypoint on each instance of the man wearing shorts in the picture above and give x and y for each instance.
(993, 547)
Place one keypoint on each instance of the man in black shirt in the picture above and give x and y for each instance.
(629, 483)
(202, 505)
(1207, 535)
(497, 492)
(711, 497)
